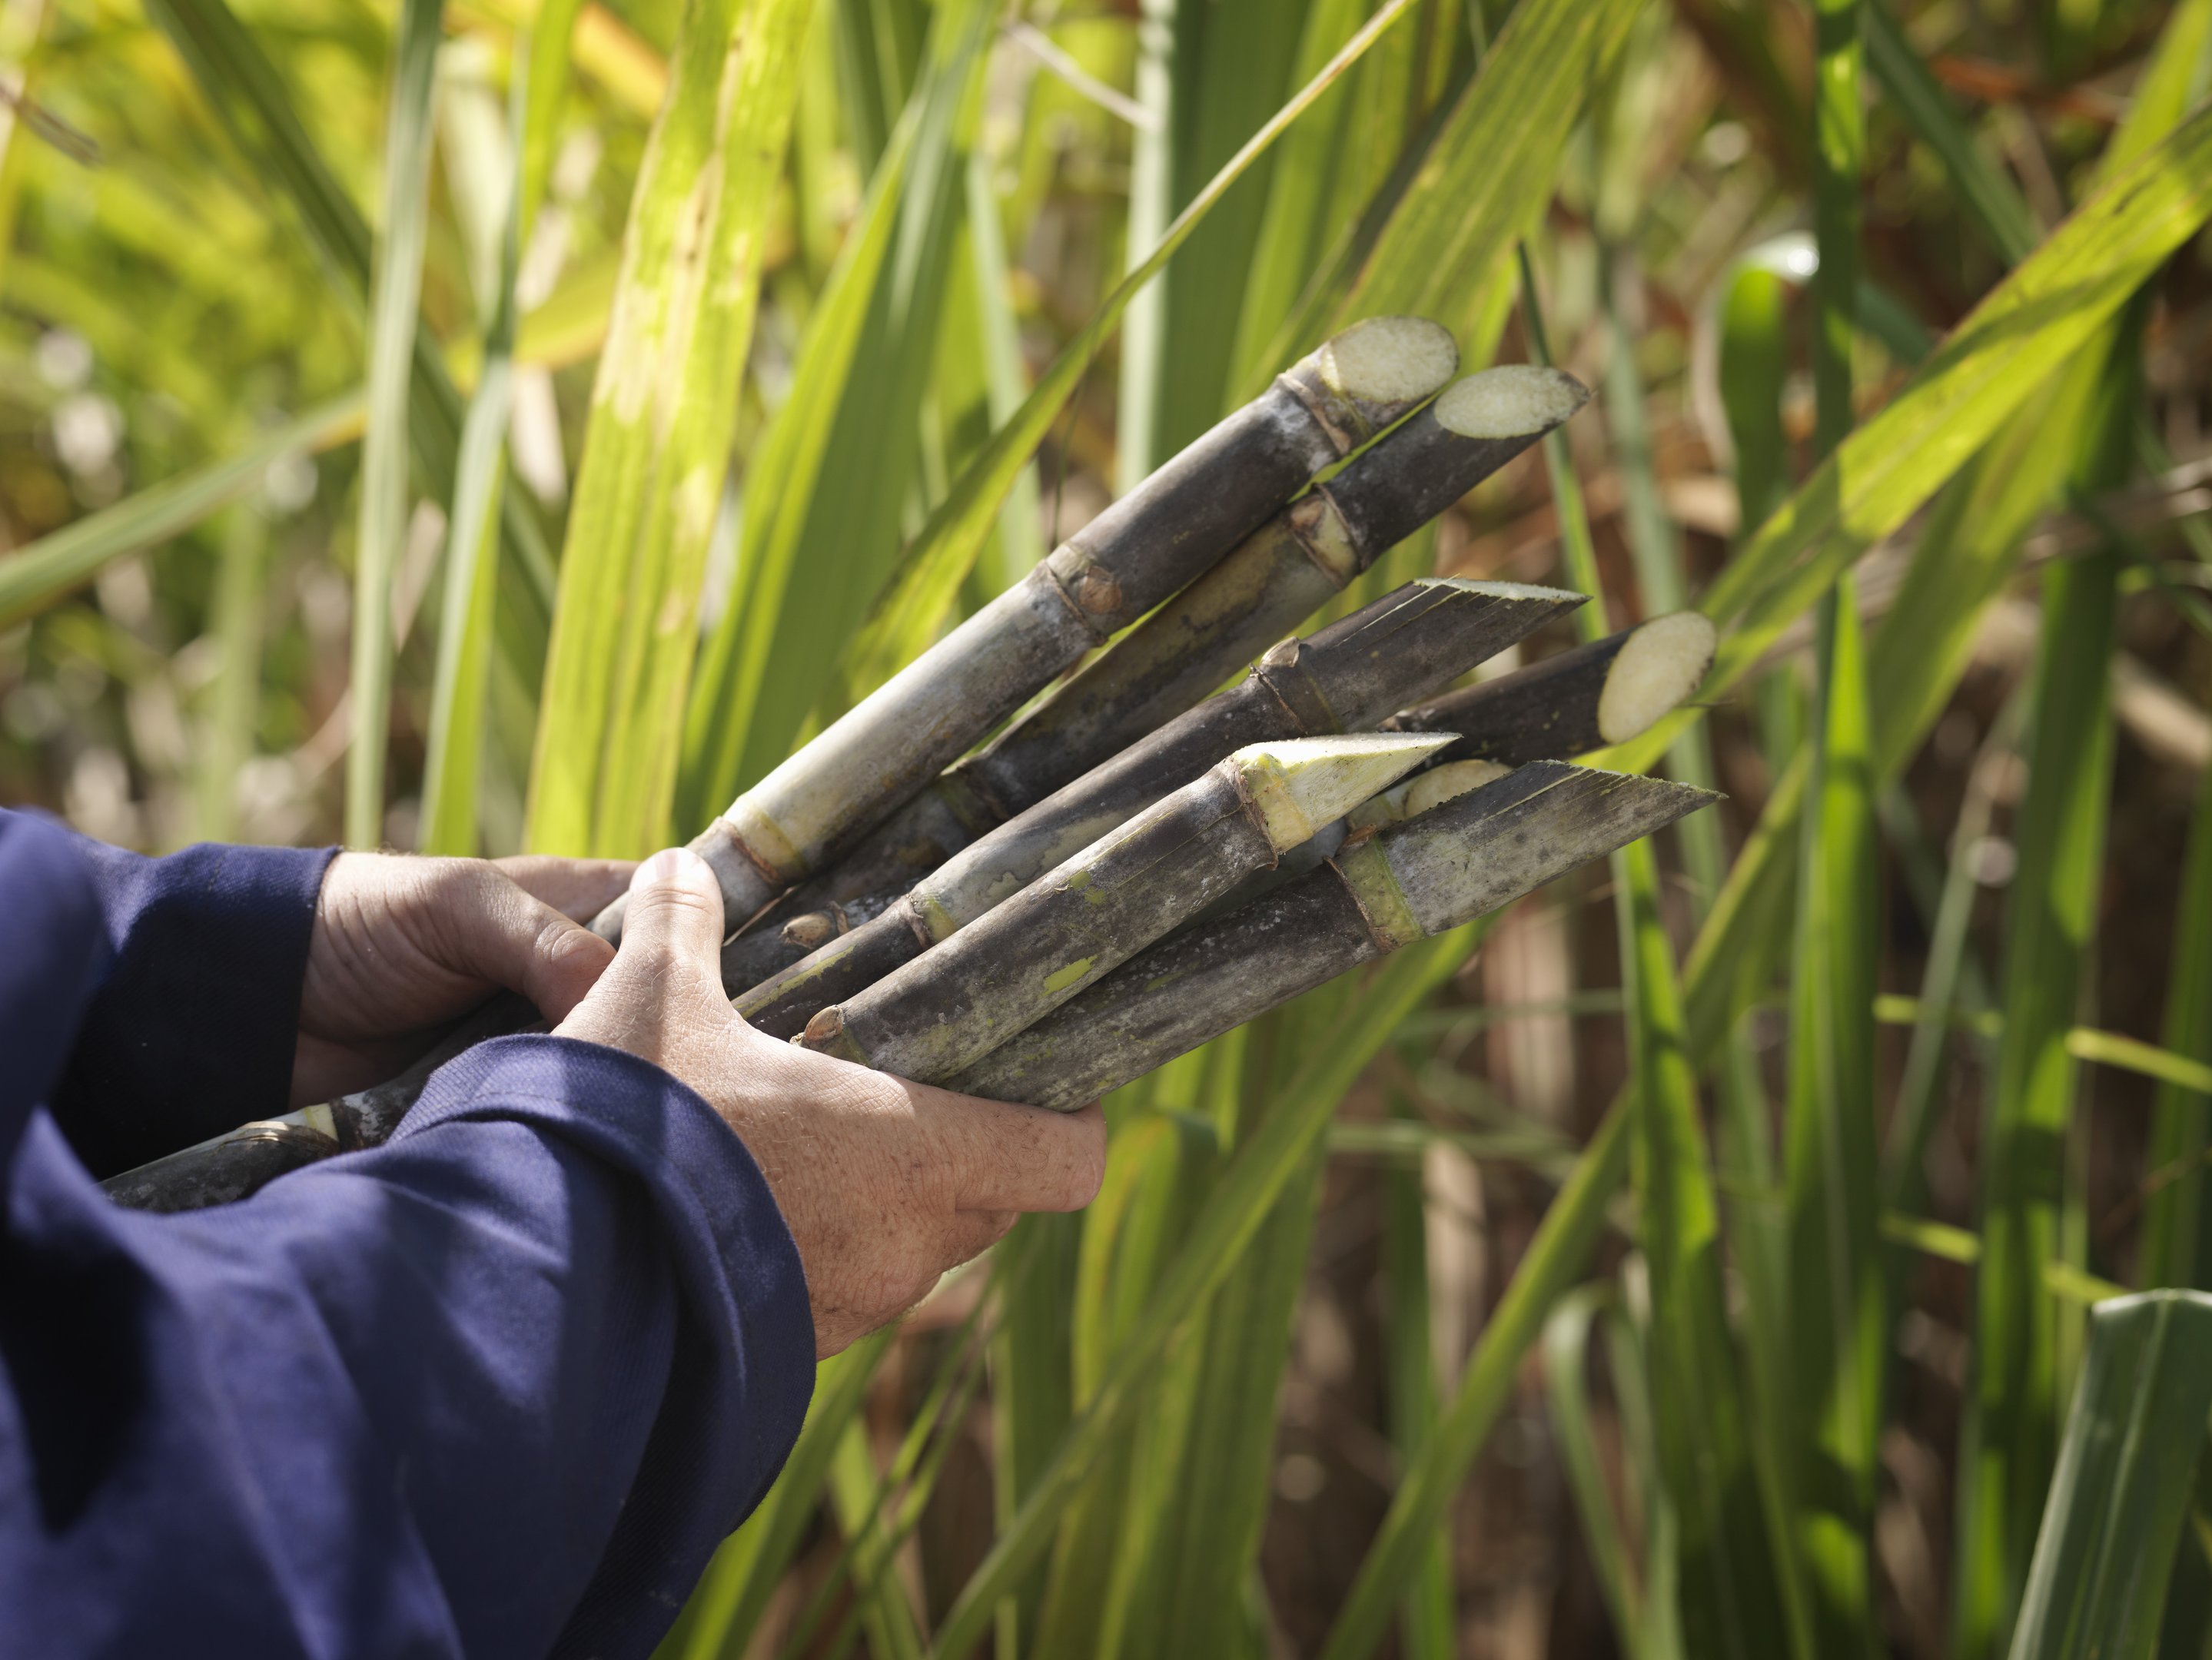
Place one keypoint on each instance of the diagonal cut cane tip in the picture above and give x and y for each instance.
(1513, 400)
(1301, 784)
(1659, 663)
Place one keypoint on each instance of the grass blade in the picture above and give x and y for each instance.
(1484, 178)
(453, 767)
(1993, 200)
(43, 573)
(732, 1595)
(1556, 1258)
(236, 76)
(664, 410)
(834, 473)
(2176, 1248)
(1730, 1600)
(1410, 1371)
(1225, 1228)
(1988, 367)
(395, 287)
(2020, 1338)
(911, 608)
(2120, 1495)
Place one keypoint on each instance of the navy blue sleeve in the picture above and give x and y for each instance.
(192, 1029)
(497, 1388)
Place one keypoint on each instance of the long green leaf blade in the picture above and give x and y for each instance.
(394, 289)
(2120, 1494)
(664, 409)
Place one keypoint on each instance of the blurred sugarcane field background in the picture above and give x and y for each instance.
(487, 426)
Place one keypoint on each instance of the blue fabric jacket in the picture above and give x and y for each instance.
(497, 1388)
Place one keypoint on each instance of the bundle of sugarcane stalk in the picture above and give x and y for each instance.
(1140, 862)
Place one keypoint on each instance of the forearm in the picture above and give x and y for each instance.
(195, 1021)
(499, 1387)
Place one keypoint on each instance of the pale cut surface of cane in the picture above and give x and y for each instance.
(1146, 546)
(1078, 922)
(1275, 577)
(1606, 691)
(1344, 678)
(1418, 877)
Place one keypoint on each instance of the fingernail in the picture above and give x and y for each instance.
(664, 866)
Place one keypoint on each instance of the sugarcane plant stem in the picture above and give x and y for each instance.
(1410, 643)
(952, 1005)
(1273, 579)
(1605, 692)
(1415, 877)
(1144, 548)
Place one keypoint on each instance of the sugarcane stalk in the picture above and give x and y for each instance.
(1410, 879)
(1344, 678)
(1080, 921)
(1145, 547)
(1605, 692)
(1275, 577)
(240, 1162)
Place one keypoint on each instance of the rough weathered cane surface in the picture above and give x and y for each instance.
(1145, 547)
(1418, 877)
(1604, 692)
(1076, 923)
(1343, 679)
(1275, 577)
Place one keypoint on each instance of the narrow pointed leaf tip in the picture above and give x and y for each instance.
(1659, 666)
(1513, 400)
(1390, 363)
(1301, 784)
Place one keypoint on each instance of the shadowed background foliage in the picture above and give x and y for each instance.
(489, 425)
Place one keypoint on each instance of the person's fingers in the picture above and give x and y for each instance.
(674, 922)
(514, 938)
(1005, 1157)
(577, 888)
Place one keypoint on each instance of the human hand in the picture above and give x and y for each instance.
(884, 1183)
(402, 945)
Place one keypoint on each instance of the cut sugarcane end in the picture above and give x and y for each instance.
(1390, 360)
(1498, 590)
(1660, 665)
(1301, 784)
(1448, 783)
(1511, 401)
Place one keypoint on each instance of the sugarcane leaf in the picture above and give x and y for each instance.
(1987, 367)
(832, 476)
(2177, 1246)
(1639, 1586)
(2120, 1494)
(395, 285)
(42, 573)
(1100, 1555)
(1426, 1619)
(1835, 1331)
(1487, 172)
(453, 766)
(1557, 1257)
(1228, 66)
(1992, 199)
(237, 78)
(2022, 1341)
(1232, 1215)
(1730, 1602)
(1331, 165)
(732, 1595)
(906, 614)
(664, 410)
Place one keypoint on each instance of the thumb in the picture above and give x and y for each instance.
(673, 923)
